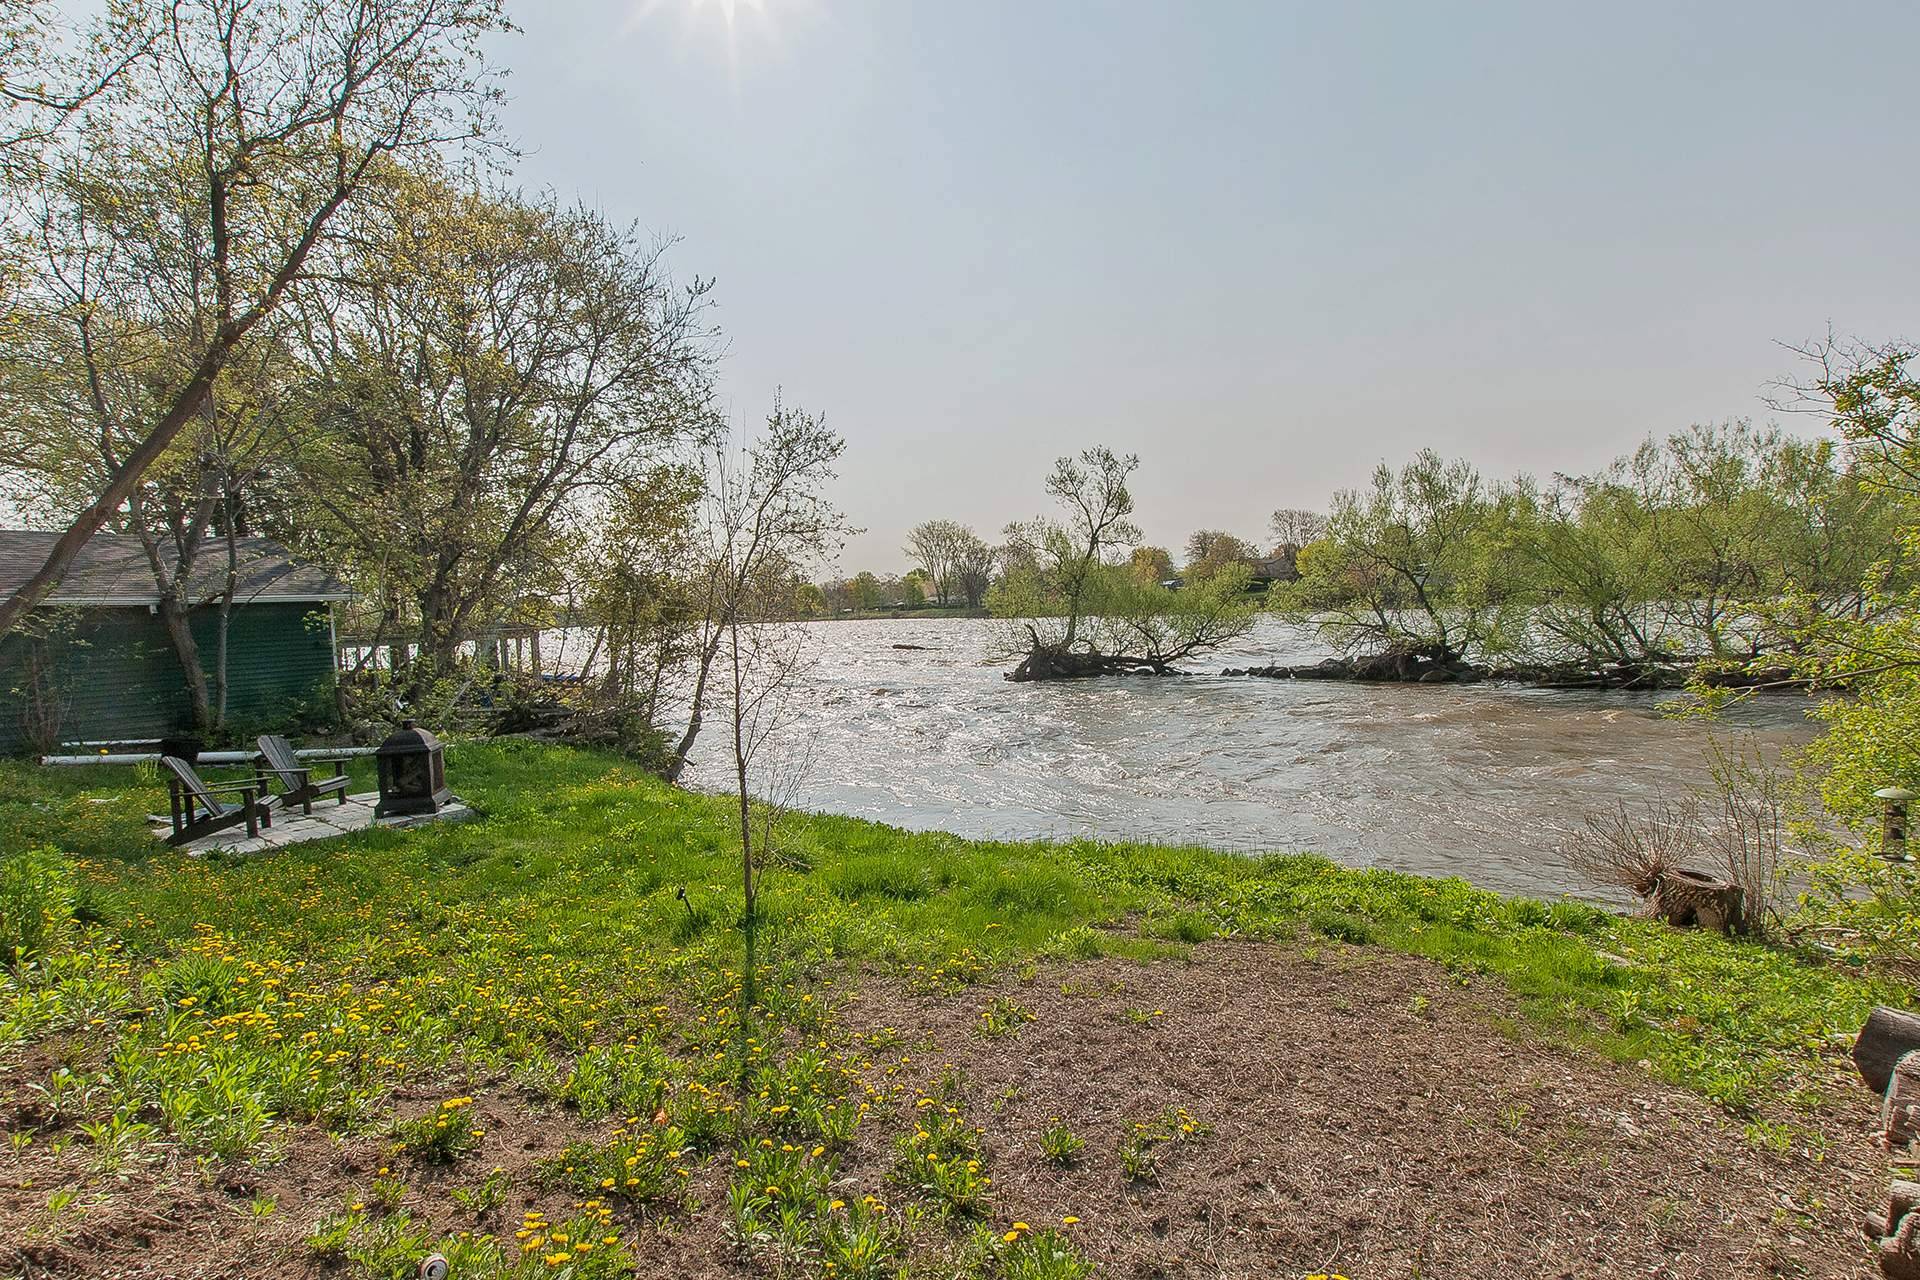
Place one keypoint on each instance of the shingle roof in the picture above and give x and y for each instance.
(112, 569)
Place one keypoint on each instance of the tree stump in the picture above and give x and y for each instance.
(1685, 898)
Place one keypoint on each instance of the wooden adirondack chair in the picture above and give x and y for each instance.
(278, 762)
(198, 809)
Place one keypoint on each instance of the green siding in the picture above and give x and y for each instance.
(118, 679)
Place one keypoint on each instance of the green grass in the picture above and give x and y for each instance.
(214, 1001)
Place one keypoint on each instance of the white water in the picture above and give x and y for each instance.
(1474, 780)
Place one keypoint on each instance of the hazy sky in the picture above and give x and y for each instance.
(1263, 245)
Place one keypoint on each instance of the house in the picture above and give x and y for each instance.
(1279, 567)
(94, 663)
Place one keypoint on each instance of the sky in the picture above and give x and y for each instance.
(1264, 245)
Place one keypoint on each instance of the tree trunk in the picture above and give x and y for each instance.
(178, 622)
(677, 764)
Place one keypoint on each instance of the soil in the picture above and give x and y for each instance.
(1369, 1118)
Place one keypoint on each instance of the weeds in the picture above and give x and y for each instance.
(485, 1196)
(441, 1136)
(1139, 1152)
(635, 1166)
(940, 1160)
(1026, 1254)
(1004, 1017)
(1060, 1144)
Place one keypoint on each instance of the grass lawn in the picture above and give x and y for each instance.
(516, 1041)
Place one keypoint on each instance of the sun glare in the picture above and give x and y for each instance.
(753, 19)
(729, 9)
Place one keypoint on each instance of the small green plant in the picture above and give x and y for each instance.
(36, 903)
(387, 1191)
(1144, 1017)
(1138, 1160)
(485, 1196)
(861, 1241)
(1422, 1006)
(1139, 1152)
(262, 1206)
(1026, 1254)
(1061, 1144)
(940, 1160)
(327, 1240)
(1004, 1017)
(441, 1136)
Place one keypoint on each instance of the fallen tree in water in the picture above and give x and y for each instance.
(1429, 664)
(1138, 628)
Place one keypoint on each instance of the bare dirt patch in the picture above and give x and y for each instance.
(1372, 1118)
(1368, 1117)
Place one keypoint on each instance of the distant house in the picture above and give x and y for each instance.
(1276, 568)
(1265, 572)
(95, 664)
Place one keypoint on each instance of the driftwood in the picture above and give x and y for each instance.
(1888, 1036)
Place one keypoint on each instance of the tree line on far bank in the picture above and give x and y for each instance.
(1716, 546)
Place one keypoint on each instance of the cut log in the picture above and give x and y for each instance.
(1888, 1036)
(1900, 1108)
(1902, 1198)
(1684, 898)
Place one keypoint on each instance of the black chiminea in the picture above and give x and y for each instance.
(413, 773)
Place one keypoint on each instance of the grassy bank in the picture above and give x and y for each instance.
(191, 1015)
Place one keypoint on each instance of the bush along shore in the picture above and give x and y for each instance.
(1431, 664)
(518, 1043)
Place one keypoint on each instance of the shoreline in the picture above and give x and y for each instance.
(572, 960)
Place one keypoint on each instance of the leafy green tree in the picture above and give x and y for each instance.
(1211, 550)
(1076, 608)
(188, 207)
(1407, 562)
(867, 592)
(502, 368)
(1152, 564)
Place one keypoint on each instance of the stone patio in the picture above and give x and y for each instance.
(329, 819)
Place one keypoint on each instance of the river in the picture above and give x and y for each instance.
(1469, 780)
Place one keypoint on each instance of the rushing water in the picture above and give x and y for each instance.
(1472, 780)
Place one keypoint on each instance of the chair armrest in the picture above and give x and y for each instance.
(250, 784)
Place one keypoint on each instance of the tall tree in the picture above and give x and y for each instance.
(1296, 527)
(260, 123)
(504, 369)
(973, 565)
(1403, 562)
(934, 546)
(1211, 550)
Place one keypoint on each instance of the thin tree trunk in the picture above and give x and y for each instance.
(178, 621)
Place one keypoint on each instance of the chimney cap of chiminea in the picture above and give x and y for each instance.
(409, 739)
